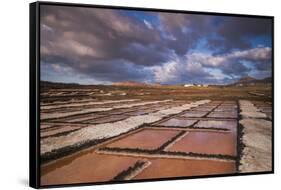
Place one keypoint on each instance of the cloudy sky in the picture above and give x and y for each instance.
(101, 46)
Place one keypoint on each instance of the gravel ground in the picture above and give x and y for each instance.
(257, 138)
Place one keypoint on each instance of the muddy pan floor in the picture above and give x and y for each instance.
(94, 141)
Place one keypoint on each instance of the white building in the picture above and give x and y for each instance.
(188, 85)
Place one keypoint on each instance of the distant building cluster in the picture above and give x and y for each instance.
(198, 85)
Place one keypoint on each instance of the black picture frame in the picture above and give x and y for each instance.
(34, 98)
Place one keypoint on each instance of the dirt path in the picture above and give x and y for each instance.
(257, 139)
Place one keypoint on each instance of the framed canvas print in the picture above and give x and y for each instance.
(120, 94)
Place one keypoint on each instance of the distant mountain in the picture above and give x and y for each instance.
(156, 84)
(247, 79)
(266, 80)
(56, 84)
(129, 83)
(48, 83)
(252, 81)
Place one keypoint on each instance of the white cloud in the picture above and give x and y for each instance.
(254, 54)
(47, 28)
(148, 24)
(167, 73)
(259, 53)
(179, 71)
(207, 68)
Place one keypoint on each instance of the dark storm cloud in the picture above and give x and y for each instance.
(111, 70)
(184, 30)
(105, 34)
(101, 34)
(235, 68)
(236, 32)
(112, 45)
(114, 71)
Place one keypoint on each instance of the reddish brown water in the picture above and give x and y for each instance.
(228, 107)
(88, 166)
(85, 167)
(177, 122)
(225, 110)
(204, 108)
(107, 119)
(223, 114)
(165, 168)
(194, 114)
(145, 139)
(207, 143)
(231, 125)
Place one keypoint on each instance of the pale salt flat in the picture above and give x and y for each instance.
(87, 103)
(45, 126)
(107, 130)
(177, 122)
(66, 102)
(257, 138)
(55, 115)
(61, 129)
(217, 124)
(249, 110)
